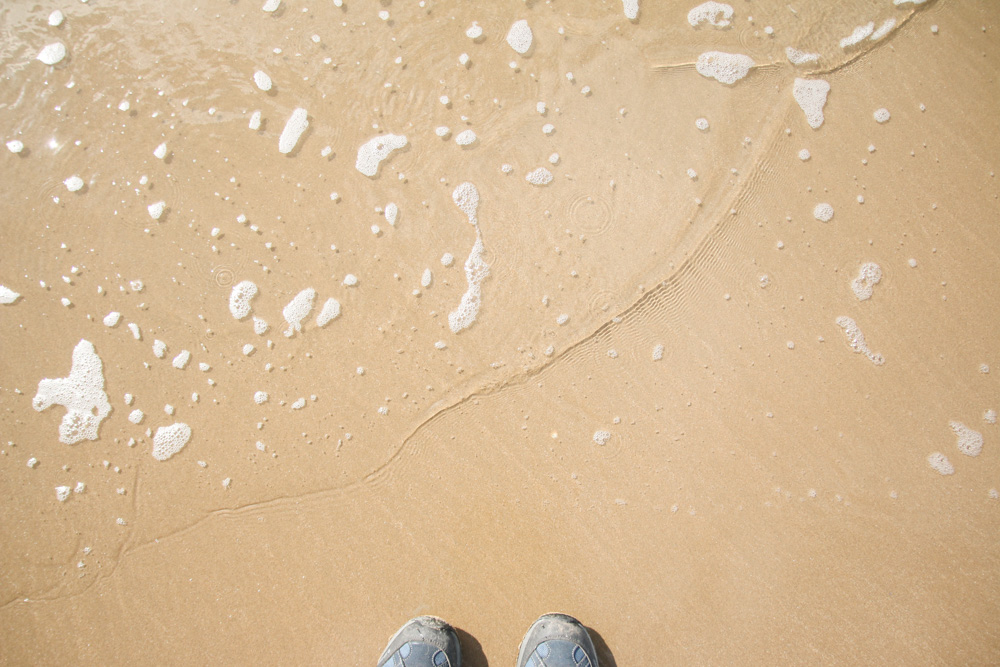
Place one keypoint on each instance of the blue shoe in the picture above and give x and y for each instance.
(425, 641)
(557, 640)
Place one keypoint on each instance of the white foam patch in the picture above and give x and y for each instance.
(159, 348)
(602, 437)
(271, 5)
(811, 97)
(136, 416)
(56, 18)
(134, 328)
(426, 278)
(329, 311)
(657, 352)
(259, 326)
(73, 183)
(391, 213)
(941, 464)
(969, 442)
(466, 138)
(169, 440)
(710, 12)
(260, 397)
(466, 197)
(856, 340)
(474, 31)
(8, 296)
(883, 29)
(540, 176)
(239, 298)
(52, 53)
(112, 319)
(298, 309)
(903, 2)
(255, 120)
(81, 393)
(519, 36)
(15, 145)
(631, 9)
(160, 151)
(262, 80)
(797, 57)
(881, 115)
(727, 68)
(294, 127)
(182, 359)
(62, 493)
(156, 210)
(375, 150)
(859, 33)
(869, 275)
(823, 212)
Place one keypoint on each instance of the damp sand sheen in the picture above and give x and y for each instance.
(679, 318)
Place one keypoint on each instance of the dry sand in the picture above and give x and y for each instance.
(762, 494)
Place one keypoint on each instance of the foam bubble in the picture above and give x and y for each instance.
(260, 397)
(859, 33)
(856, 340)
(182, 359)
(540, 176)
(52, 53)
(294, 127)
(602, 437)
(375, 150)
(811, 96)
(299, 404)
(169, 440)
(271, 5)
(391, 213)
(330, 311)
(15, 145)
(631, 9)
(940, 463)
(255, 120)
(727, 68)
(701, 124)
(8, 295)
(62, 493)
(466, 197)
(474, 31)
(442, 131)
(239, 299)
(160, 151)
(136, 416)
(56, 18)
(883, 29)
(548, 128)
(466, 138)
(969, 442)
(447, 259)
(797, 57)
(156, 210)
(709, 12)
(881, 115)
(73, 183)
(426, 278)
(350, 280)
(519, 37)
(262, 80)
(297, 310)
(81, 393)
(159, 348)
(134, 328)
(990, 416)
(823, 212)
(657, 352)
(869, 275)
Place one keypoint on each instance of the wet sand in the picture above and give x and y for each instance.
(763, 492)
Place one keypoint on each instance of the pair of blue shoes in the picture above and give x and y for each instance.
(554, 640)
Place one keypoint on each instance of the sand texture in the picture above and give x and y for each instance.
(437, 325)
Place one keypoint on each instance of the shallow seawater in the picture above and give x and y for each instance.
(410, 321)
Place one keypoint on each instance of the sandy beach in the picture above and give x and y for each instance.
(317, 319)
